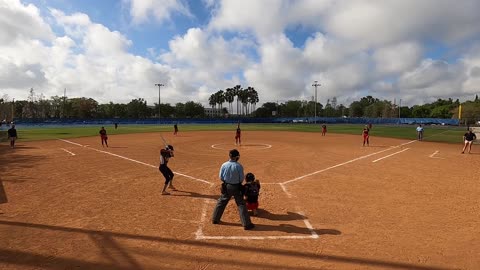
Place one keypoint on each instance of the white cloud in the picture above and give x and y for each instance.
(397, 58)
(18, 21)
(161, 10)
(353, 48)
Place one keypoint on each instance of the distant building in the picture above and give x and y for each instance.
(213, 112)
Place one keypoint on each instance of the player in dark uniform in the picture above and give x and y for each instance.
(251, 191)
(238, 135)
(12, 136)
(175, 129)
(324, 129)
(366, 136)
(165, 155)
(468, 139)
(103, 136)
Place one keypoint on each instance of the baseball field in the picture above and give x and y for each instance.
(326, 202)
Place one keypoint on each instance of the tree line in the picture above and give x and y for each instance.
(240, 102)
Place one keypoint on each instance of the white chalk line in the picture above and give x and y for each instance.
(284, 188)
(262, 145)
(345, 163)
(433, 155)
(199, 235)
(73, 154)
(398, 152)
(136, 161)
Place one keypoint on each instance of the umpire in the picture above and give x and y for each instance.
(231, 174)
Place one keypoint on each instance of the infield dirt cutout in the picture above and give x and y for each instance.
(102, 209)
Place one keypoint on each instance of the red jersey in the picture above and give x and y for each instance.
(365, 131)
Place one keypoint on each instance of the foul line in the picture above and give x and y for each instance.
(433, 155)
(136, 161)
(345, 163)
(68, 151)
(391, 155)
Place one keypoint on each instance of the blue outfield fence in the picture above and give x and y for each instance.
(170, 121)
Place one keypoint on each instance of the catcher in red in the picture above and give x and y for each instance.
(251, 192)
(165, 155)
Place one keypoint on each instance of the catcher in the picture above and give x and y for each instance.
(165, 155)
(251, 191)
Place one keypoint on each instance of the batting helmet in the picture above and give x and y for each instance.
(234, 153)
(250, 177)
(169, 147)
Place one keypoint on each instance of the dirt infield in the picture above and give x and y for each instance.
(326, 203)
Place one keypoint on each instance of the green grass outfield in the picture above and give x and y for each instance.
(446, 134)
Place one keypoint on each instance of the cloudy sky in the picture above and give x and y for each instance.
(116, 50)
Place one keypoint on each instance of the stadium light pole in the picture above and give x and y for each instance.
(315, 84)
(159, 86)
(399, 108)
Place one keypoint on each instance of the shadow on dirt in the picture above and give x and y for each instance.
(13, 161)
(123, 257)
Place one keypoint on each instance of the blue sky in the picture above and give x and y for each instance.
(116, 50)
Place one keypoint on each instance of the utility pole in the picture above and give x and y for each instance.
(159, 86)
(315, 84)
(399, 108)
(64, 100)
(13, 109)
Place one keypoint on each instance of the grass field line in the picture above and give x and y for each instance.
(345, 163)
(398, 152)
(136, 161)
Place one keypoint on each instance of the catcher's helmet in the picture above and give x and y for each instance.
(169, 147)
(250, 177)
(234, 153)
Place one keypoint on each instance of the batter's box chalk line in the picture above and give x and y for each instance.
(199, 235)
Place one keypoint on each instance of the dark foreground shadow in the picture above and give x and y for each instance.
(109, 239)
(263, 213)
(181, 193)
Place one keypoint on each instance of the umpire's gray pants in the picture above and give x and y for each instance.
(236, 192)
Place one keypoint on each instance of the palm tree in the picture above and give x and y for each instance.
(253, 98)
(220, 100)
(212, 100)
(236, 91)
(229, 97)
(243, 96)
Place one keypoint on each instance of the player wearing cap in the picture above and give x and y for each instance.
(165, 155)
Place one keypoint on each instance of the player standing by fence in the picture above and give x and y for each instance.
(12, 136)
(468, 139)
(103, 136)
(324, 129)
(366, 136)
(420, 132)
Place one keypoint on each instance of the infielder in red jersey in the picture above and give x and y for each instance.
(365, 135)
(238, 135)
(165, 155)
(103, 136)
(324, 130)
